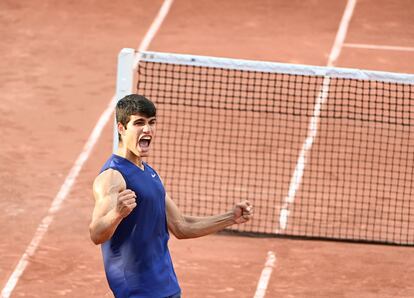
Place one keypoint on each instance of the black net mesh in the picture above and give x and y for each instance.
(334, 163)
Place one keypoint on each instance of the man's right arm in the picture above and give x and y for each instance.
(113, 202)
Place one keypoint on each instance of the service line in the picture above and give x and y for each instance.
(378, 47)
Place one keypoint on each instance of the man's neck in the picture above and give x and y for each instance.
(125, 153)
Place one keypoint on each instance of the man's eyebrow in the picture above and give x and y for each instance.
(138, 120)
(144, 118)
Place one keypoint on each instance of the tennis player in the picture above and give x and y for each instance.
(133, 214)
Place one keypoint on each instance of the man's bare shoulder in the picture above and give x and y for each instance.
(109, 181)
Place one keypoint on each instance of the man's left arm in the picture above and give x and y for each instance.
(184, 226)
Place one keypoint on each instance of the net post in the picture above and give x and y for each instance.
(124, 82)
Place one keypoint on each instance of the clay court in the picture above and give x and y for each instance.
(58, 74)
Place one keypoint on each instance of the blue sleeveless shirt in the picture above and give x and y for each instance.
(136, 259)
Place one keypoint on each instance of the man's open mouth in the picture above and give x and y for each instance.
(144, 142)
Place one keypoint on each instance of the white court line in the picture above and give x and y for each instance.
(155, 26)
(341, 34)
(313, 124)
(378, 47)
(265, 276)
(306, 147)
(74, 172)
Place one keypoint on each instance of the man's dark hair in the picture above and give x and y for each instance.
(133, 104)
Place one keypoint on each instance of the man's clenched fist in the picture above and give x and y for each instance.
(126, 202)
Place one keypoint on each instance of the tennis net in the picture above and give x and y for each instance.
(321, 152)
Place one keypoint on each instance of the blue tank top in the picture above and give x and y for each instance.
(136, 259)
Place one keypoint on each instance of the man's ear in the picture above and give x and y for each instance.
(121, 129)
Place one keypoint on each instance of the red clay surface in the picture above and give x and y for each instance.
(58, 72)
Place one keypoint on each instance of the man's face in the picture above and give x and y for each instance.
(138, 134)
